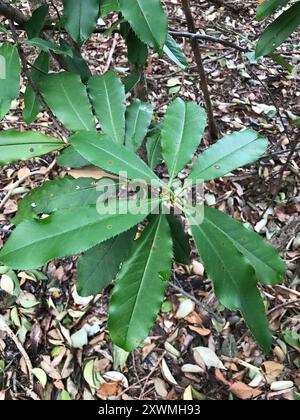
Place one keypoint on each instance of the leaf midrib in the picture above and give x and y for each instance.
(241, 246)
(97, 146)
(110, 113)
(223, 157)
(220, 258)
(62, 233)
(32, 143)
(150, 255)
(146, 20)
(72, 106)
(132, 138)
(176, 159)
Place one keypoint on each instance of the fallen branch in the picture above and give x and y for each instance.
(6, 329)
(111, 53)
(283, 305)
(202, 37)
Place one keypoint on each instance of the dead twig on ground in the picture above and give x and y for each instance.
(111, 52)
(6, 329)
(283, 305)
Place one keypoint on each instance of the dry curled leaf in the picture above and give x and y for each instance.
(243, 391)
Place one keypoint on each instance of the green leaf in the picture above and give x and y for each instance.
(137, 50)
(229, 153)
(278, 31)
(65, 396)
(147, 19)
(154, 151)
(233, 276)
(102, 152)
(296, 122)
(181, 243)
(46, 46)
(67, 97)
(10, 73)
(16, 145)
(108, 6)
(138, 120)
(32, 104)
(36, 23)
(67, 232)
(268, 7)
(292, 338)
(62, 193)
(75, 64)
(81, 18)
(282, 62)
(41, 376)
(107, 94)
(139, 290)
(175, 53)
(3, 29)
(69, 158)
(269, 267)
(182, 131)
(131, 81)
(99, 266)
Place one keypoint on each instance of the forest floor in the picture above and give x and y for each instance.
(48, 320)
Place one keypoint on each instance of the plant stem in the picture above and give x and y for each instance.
(213, 129)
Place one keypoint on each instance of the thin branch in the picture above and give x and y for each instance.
(56, 9)
(202, 37)
(213, 129)
(200, 305)
(12, 13)
(283, 305)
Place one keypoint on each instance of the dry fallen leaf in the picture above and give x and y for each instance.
(146, 350)
(7, 284)
(201, 331)
(167, 373)
(114, 376)
(243, 391)
(188, 395)
(160, 387)
(208, 357)
(108, 389)
(198, 268)
(272, 370)
(189, 368)
(89, 172)
(186, 306)
(281, 385)
(221, 378)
